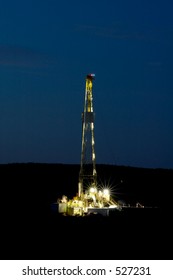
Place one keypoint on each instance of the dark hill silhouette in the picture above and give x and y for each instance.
(34, 182)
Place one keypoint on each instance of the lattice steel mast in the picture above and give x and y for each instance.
(87, 174)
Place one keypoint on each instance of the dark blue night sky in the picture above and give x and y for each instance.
(47, 47)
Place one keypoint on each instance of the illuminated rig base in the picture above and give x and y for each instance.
(93, 201)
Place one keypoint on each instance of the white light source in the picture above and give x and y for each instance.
(106, 192)
(100, 193)
(92, 190)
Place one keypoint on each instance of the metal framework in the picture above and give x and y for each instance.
(87, 174)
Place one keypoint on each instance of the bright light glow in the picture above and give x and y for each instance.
(100, 193)
(93, 190)
(114, 190)
(106, 192)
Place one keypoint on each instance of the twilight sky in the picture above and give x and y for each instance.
(47, 47)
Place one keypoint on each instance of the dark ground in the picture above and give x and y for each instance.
(31, 230)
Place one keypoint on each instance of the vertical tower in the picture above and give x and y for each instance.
(87, 174)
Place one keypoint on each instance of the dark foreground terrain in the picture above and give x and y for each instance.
(31, 230)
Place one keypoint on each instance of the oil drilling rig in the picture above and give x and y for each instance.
(91, 197)
(88, 174)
